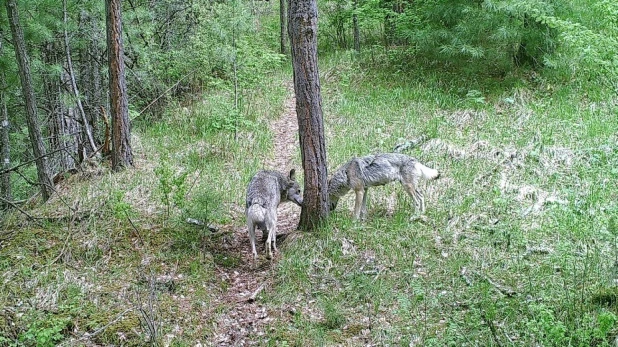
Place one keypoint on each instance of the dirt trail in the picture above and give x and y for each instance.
(245, 319)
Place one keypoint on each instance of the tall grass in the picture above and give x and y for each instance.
(516, 248)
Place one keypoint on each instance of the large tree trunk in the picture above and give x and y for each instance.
(303, 30)
(5, 158)
(283, 22)
(28, 92)
(122, 154)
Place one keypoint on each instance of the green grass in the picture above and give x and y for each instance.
(488, 267)
(518, 247)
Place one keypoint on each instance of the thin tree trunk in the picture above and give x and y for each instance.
(74, 89)
(34, 130)
(58, 136)
(355, 25)
(122, 154)
(303, 30)
(91, 73)
(283, 22)
(235, 68)
(5, 158)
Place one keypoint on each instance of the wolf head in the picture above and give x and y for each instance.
(337, 187)
(293, 192)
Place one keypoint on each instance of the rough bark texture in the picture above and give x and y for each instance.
(5, 158)
(303, 30)
(122, 155)
(34, 130)
(86, 126)
(283, 22)
(60, 135)
(90, 72)
(355, 25)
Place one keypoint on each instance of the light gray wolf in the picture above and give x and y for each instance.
(265, 192)
(375, 170)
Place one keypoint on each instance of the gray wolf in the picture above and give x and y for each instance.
(375, 170)
(265, 192)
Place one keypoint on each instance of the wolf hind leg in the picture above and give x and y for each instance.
(271, 225)
(251, 227)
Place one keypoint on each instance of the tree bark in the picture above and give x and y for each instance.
(74, 90)
(91, 73)
(355, 25)
(122, 155)
(34, 130)
(303, 30)
(5, 158)
(59, 135)
(283, 22)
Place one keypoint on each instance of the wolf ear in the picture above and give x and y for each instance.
(293, 174)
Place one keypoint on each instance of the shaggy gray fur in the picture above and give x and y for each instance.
(265, 192)
(375, 170)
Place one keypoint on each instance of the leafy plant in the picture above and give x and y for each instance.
(172, 186)
(546, 327)
(120, 208)
(46, 332)
(606, 321)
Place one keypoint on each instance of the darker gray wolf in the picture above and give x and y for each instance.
(265, 192)
(375, 170)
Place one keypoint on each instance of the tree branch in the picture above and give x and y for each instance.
(165, 92)
(15, 168)
(34, 219)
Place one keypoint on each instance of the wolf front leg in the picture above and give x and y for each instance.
(419, 201)
(364, 206)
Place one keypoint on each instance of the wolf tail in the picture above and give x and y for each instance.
(426, 172)
(256, 213)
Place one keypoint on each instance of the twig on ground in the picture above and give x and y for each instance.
(410, 144)
(34, 219)
(139, 236)
(536, 250)
(40, 184)
(212, 228)
(256, 292)
(101, 329)
(64, 247)
(502, 289)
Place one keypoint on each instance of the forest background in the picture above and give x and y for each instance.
(514, 101)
